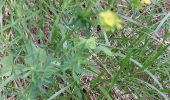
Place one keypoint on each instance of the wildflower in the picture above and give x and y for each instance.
(146, 1)
(109, 20)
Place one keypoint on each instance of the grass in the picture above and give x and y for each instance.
(58, 49)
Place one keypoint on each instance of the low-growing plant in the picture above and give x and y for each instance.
(84, 49)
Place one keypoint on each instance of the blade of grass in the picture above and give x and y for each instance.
(130, 20)
(124, 63)
(154, 88)
(148, 72)
(105, 92)
(141, 66)
(59, 92)
(154, 57)
(161, 23)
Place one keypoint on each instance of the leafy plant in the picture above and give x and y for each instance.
(92, 49)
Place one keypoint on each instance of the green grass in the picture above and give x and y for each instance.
(57, 49)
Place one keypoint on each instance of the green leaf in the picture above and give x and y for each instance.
(91, 43)
(137, 3)
(105, 92)
(42, 56)
(63, 30)
(7, 63)
(106, 50)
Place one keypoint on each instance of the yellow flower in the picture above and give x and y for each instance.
(109, 20)
(146, 1)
